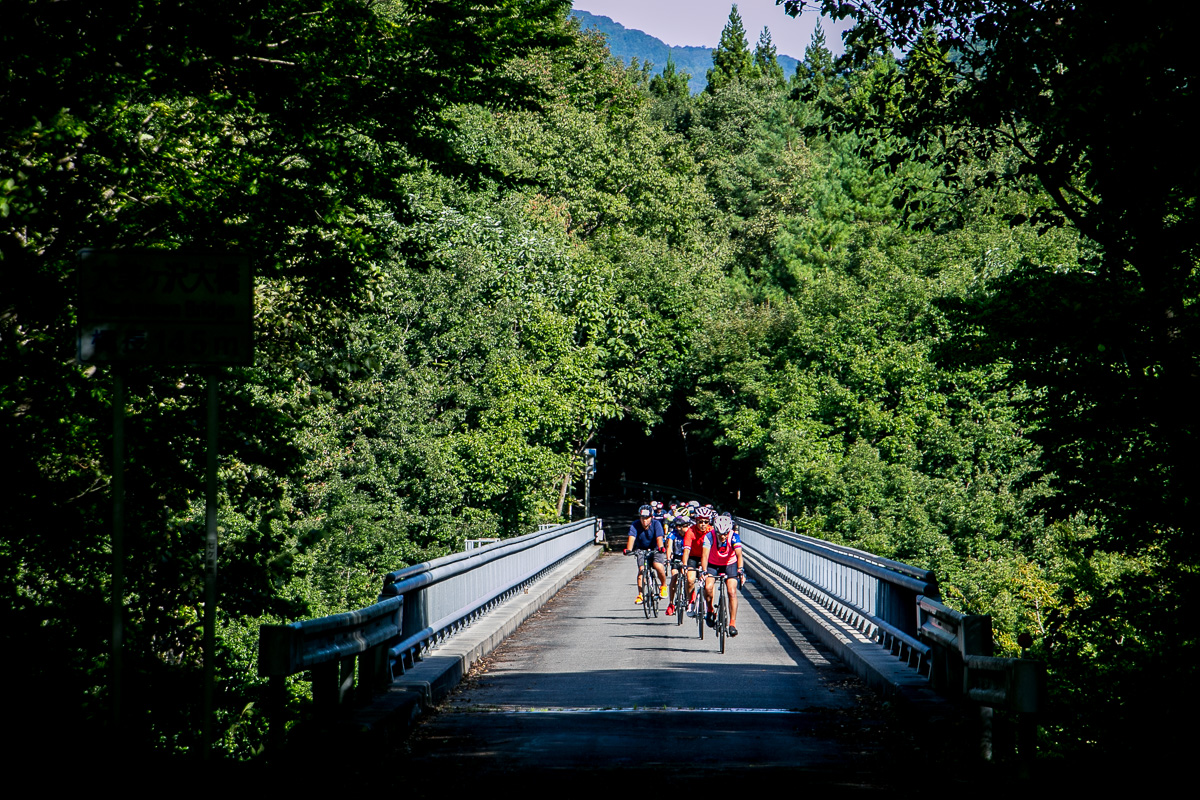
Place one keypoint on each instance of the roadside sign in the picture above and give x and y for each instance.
(165, 307)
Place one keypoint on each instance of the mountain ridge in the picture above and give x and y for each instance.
(626, 43)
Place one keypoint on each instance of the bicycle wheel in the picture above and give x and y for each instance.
(723, 614)
(647, 589)
(701, 606)
(654, 594)
(680, 597)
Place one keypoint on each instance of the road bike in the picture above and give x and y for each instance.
(649, 585)
(681, 594)
(698, 606)
(721, 603)
(723, 525)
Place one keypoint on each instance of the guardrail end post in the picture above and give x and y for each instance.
(373, 674)
(975, 635)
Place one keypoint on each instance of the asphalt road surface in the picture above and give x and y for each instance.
(591, 687)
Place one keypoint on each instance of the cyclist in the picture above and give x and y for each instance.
(693, 544)
(646, 540)
(721, 557)
(678, 523)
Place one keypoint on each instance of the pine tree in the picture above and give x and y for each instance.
(732, 59)
(671, 100)
(765, 60)
(815, 74)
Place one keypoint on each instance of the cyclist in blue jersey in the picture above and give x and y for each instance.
(678, 523)
(646, 541)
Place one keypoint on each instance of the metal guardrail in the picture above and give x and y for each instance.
(963, 666)
(876, 595)
(445, 595)
(896, 605)
(419, 607)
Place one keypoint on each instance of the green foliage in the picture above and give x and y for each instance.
(918, 303)
(765, 60)
(732, 60)
(671, 100)
(460, 214)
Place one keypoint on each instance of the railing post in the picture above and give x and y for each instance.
(975, 635)
(325, 689)
(333, 687)
(373, 673)
(1025, 693)
(276, 705)
(415, 617)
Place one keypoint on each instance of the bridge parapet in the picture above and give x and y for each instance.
(875, 595)
(896, 606)
(418, 607)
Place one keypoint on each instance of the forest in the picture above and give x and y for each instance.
(934, 298)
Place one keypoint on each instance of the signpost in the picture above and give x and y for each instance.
(192, 308)
(165, 307)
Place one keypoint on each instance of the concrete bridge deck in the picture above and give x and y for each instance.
(588, 686)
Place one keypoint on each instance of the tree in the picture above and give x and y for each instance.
(1088, 115)
(672, 100)
(732, 60)
(765, 60)
(284, 128)
(1092, 110)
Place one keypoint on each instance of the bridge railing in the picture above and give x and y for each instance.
(418, 607)
(443, 596)
(963, 663)
(877, 595)
(896, 605)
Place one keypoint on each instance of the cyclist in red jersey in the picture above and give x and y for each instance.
(693, 544)
(721, 557)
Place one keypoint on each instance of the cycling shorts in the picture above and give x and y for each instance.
(728, 570)
(640, 555)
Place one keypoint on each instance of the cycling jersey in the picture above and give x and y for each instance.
(646, 538)
(693, 539)
(676, 544)
(719, 555)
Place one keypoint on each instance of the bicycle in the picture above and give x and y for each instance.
(723, 525)
(649, 586)
(699, 607)
(721, 602)
(681, 596)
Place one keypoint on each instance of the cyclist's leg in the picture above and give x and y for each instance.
(660, 569)
(731, 585)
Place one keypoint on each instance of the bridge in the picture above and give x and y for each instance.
(848, 672)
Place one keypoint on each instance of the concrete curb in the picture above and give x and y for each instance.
(880, 669)
(392, 715)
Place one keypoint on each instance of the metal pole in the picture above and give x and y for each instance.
(118, 547)
(210, 564)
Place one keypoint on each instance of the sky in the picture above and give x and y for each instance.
(699, 22)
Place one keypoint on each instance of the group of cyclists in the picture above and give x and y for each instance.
(683, 537)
